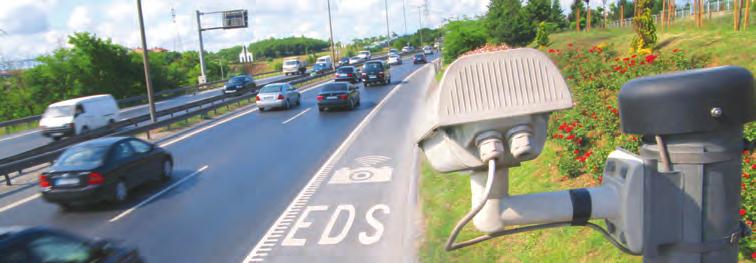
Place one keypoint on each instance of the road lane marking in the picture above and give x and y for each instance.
(158, 194)
(295, 116)
(200, 130)
(256, 254)
(19, 135)
(19, 202)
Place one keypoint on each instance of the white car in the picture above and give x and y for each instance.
(365, 54)
(394, 59)
(428, 50)
(77, 116)
(355, 60)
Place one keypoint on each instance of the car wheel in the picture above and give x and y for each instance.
(56, 138)
(120, 192)
(287, 105)
(351, 105)
(111, 122)
(65, 207)
(358, 101)
(84, 130)
(262, 109)
(167, 171)
(299, 100)
(321, 109)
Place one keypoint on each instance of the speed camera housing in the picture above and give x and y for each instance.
(510, 92)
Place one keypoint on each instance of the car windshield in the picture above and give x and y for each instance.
(59, 111)
(345, 70)
(335, 87)
(344, 59)
(236, 80)
(291, 63)
(274, 88)
(82, 157)
(356, 58)
(419, 56)
(373, 66)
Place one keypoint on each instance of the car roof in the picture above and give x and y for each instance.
(75, 101)
(104, 141)
(336, 84)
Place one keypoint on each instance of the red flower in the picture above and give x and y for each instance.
(572, 136)
(569, 44)
(675, 50)
(650, 58)
(626, 59)
(576, 152)
(601, 179)
(746, 176)
(753, 167)
(552, 51)
(615, 111)
(742, 212)
(753, 255)
(588, 154)
(579, 141)
(745, 152)
(643, 63)
(633, 138)
(568, 129)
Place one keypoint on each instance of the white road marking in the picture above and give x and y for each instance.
(255, 255)
(363, 174)
(295, 116)
(19, 135)
(19, 202)
(158, 194)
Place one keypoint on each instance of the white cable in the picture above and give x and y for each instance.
(470, 215)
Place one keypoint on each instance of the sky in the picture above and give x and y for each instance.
(36, 27)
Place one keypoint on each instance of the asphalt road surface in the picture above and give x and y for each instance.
(13, 144)
(281, 186)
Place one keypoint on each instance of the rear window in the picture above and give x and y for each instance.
(419, 56)
(345, 70)
(236, 80)
(291, 63)
(374, 66)
(336, 87)
(82, 157)
(58, 111)
(271, 88)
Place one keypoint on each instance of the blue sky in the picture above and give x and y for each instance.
(37, 27)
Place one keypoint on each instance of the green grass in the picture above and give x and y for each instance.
(716, 39)
(446, 198)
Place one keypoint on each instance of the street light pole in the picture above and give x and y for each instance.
(388, 31)
(420, 26)
(203, 76)
(146, 61)
(330, 26)
(404, 11)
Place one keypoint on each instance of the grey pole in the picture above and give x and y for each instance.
(333, 47)
(420, 26)
(388, 31)
(404, 11)
(146, 61)
(201, 47)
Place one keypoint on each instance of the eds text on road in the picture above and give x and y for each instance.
(377, 131)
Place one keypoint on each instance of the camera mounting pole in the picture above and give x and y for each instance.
(692, 141)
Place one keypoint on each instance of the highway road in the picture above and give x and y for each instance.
(280, 186)
(20, 142)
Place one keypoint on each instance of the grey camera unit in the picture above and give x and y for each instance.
(676, 201)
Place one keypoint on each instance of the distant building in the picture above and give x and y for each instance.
(245, 56)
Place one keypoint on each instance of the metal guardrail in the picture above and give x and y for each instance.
(48, 152)
(127, 102)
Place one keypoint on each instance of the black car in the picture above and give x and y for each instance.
(419, 59)
(347, 73)
(239, 84)
(343, 62)
(376, 71)
(338, 95)
(37, 244)
(104, 169)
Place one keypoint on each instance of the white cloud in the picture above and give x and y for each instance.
(80, 20)
(23, 17)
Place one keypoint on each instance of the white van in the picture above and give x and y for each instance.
(325, 60)
(77, 116)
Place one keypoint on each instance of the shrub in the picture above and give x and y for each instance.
(507, 22)
(462, 36)
(542, 35)
(643, 25)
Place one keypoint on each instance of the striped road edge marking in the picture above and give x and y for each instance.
(276, 231)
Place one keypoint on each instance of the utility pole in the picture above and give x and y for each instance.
(404, 11)
(203, 76)
(420, 26)
(146, 61)
(388, 31)
(330, 26)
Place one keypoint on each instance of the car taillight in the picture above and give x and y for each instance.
(380, 73)
(336, 75)
(257, 98)
(95, 178)
(364, 74)
(280, 97)
(349, 75)
(343, 97)
(44, 181)
(319, 97)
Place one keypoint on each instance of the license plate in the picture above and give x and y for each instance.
(332, 97)
(372, 77)
(57, 134)
(66, 181)
(342, 75)
(267, 98)
(230, 91)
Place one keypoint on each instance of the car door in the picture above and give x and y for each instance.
(126, 164)
(151, 160)
(291, 93)
(354, 93)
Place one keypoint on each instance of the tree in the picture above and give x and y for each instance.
(576, 8)
(506, 22)
(542, 35)
(556, 15)
(462, 36)
(643, 25)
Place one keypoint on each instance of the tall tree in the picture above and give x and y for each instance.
(556, 14)
(507, 23)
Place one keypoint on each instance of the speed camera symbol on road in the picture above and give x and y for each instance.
(366, 172)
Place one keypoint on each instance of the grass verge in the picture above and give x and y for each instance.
(446, 198)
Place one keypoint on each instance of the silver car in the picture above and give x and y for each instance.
(355, 60)
(278, 95)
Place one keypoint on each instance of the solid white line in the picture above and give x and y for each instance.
(295, 116)
(157, 194)
(19, 202)
(254, 255)
(19, 135)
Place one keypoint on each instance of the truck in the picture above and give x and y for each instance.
(294, 65)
